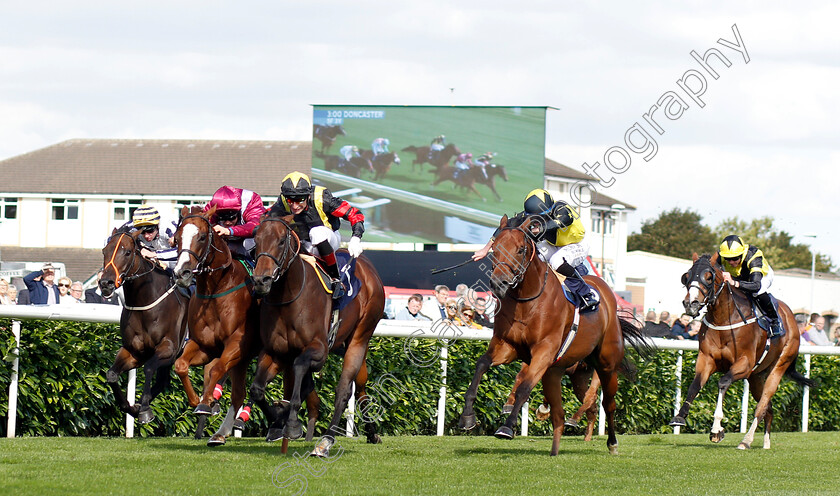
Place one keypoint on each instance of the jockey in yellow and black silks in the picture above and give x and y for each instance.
(560, 243)
(745, 267)
(317, 218)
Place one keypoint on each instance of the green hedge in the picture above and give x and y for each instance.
(62, 389)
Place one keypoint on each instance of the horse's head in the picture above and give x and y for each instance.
(498, 170)
(395, 158)
(339, 129)
(194, 239)
(703, 281)
(277, 246)
(513, 251)
(120, 253)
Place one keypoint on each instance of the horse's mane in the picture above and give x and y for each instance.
(124, 229)
(276, 211)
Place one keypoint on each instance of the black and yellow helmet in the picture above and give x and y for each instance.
(538, 201)
(732, 247)
(296, 184)
(145, 215)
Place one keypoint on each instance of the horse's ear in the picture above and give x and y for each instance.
(503, 222)
(114, 231)
(210, 212)
(714, 259)
(185, 210)
(694, 257)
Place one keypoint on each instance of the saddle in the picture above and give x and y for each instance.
(762, 320)
(347, 271)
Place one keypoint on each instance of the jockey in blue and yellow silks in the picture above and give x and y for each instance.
(745, 267)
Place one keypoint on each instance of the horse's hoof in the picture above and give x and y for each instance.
(202, 409)
(507, 409)
(146, 416)
(239, 425)
(216, 440)
(613, 449)
(467, 422)
(743, 446)
(572, 423)
(374, 439)
(677, 422)
(543, 412)
(215, 408)
(293, 430)
(504, 432)
(717, 437)
(322, 450)
(274, 434)
(133, 410)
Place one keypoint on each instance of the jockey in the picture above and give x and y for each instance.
(464, 161)
(153, 243)
(238, 213)
(483, 161)
(746, 268)
(317, 217)
(349, 151)
(560, 243)
(438, 144)
(380, 146)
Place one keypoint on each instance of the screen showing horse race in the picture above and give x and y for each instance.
(429, 174)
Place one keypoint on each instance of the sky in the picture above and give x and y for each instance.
(759, 140)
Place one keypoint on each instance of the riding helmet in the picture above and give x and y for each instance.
(296, 184)
(145, 215)
(538, 201)
(732, 247)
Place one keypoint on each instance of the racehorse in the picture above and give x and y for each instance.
(465, 178)
(381, 163)
(153, 321)
(536, 324)
(493, 170)
(422, 155)
(327, 135)
(294, 320)
(352, 168)
(223, 316)
(732, 342)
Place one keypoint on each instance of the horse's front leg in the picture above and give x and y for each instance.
(705, 367)
(739, 370)
(497, 353)
(311, 360)
(237, 398)
(157, 367)
(122, 362)
(267, 369)
(191, 355)
(528, 378)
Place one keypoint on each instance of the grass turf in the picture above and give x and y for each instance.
(656, 464)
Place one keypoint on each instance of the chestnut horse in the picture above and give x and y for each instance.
(294, 318)
(223, 316)
(421, 154)
(533, 323)
(153, 321)
(467, 178)
(732, 342)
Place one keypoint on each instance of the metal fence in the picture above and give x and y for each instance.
(110, 314)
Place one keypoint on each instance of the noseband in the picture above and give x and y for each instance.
(711, 291)
(282, 264)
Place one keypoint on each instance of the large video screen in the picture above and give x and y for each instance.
(430, 174)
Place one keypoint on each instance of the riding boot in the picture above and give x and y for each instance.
(588, 296)
(766, 304)
(325, 250)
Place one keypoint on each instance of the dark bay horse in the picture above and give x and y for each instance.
(327, 135)
(381, 163)
(493, 171)
(294, 324)
(533, 324)
(465, 179)
(153, 321)
(732, 342)
(223, 316)
(422, 155)
(352, 168)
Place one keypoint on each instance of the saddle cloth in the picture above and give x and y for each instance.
(573, 298)
(762, 319)
(347, 271)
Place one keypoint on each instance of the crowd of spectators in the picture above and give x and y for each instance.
(465, 308)
(42, 288)
(663, 327)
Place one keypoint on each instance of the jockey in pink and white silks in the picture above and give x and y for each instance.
(237, 216)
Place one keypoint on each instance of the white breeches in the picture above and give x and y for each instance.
(321, 233)
(574, 254)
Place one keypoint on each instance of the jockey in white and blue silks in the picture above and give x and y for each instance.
(154, 242)
(380, 146)
(483, 161)
(348, 152)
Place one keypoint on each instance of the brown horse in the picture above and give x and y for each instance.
(223, 316)
(732, 342)
(467, 179)
(327, 135)
(381, 163)
(422, 155)
(294, 319)
(153, 321)
(352, 168)
(536, 324)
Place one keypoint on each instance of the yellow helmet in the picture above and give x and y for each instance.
(145, 215)
(296, 184)
(732, 247)
(538, 201)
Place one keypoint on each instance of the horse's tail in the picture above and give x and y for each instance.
(631, 331)
(796, 376)
(628, 369)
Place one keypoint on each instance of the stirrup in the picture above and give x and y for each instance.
(337, 289)
(335, 322)
(775, 329)
(590, 301)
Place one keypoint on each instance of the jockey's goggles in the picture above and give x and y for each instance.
(295, 199)
(228, 215)
(149, 229)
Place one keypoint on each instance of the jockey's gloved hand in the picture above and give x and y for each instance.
(355, 246)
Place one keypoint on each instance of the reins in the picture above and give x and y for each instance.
(519, 276)
(125, 278)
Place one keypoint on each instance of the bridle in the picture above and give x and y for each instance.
(124, 278)
(519, 275)
(202, 266)
(282, 264)
(710, 292)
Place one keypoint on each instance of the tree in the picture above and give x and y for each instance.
(675, 233)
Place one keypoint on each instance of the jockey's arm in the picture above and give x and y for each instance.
(483, 251)
(250, 218)
(340, 208)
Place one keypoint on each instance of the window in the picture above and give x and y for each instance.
(65, 209)
(180, 204)
(596, 223)
(602, 221)
(8, 208)
(124, 209)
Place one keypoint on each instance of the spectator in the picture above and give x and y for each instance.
(438, 309)
(64, 288)
(481, 317)
(76, 292)
(22, 293)
(13, 294)
(41, 286)
(412, 310)
(94, 295)
(451, 311)
(5, 299)
(801, 323)
(680, 328)
(654, 330)
(665, 318)
(694, 330)
(815, 334)
(465, 317)
(835, 335)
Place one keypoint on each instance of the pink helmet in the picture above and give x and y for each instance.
(226, 198)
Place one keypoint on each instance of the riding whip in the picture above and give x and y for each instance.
(465, 262)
